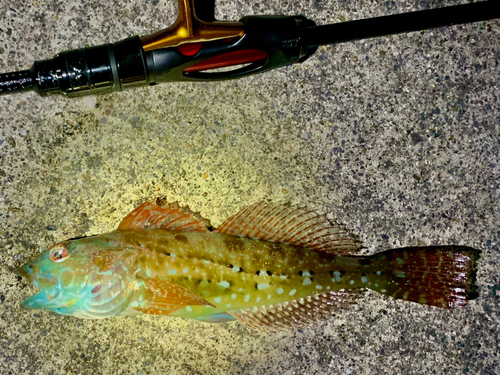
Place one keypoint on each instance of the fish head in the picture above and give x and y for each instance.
(70, 274)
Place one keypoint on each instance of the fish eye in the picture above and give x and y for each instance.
(58, 253)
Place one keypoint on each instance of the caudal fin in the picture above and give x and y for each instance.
(441, 276)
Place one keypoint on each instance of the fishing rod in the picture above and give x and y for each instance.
(199, 48)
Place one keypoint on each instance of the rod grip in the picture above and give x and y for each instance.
(94, 70)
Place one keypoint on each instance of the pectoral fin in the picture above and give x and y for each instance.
(160, 297)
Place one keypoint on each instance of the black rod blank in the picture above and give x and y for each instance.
(401, 23)
(17, 81)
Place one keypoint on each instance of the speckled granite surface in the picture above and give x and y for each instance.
(398, 137)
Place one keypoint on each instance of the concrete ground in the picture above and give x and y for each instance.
(398, 137)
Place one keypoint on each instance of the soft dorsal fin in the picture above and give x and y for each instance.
(160, 297)
(298, 313)
(292, 225)
(160, 214)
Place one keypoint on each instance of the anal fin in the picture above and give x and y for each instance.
(298, 313)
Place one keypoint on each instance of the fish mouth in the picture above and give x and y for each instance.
(40, 280)
(38, 301)
(26, 272)
(42, 299)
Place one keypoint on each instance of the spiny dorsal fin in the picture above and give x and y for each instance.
(292, 225)
(161, 214)
(298, 313)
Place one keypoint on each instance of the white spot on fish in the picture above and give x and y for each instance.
(283, 277)
(217, 299)
(292, 292)
(319, 287)
(173, 255)
(189, 309)
(364, 279)
(336, 275)
(223, 284)
(307, 281)
(280, 291)
(378, 272)
(233, 296)
(269, 296)
(262, 273)
(236, 269)
(351, 282)
(172, 272)
(262, 286)
(306, 273)
(399, 273)
(204, 283)
(228, 305)
(383, 290)
(247, 298)
(257, 299)
(205, 293)
(185, 270)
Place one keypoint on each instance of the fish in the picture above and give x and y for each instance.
(272, 267)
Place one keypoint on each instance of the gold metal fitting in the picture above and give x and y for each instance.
(188, 28)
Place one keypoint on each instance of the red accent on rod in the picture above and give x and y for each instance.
(189, 49)
(228, 59)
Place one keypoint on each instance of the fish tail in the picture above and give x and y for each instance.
(441, 276)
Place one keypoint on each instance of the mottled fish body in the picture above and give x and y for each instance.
(269, 266)
(232, 272)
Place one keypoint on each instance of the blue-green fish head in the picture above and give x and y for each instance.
(77, 275)
(62, 275)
